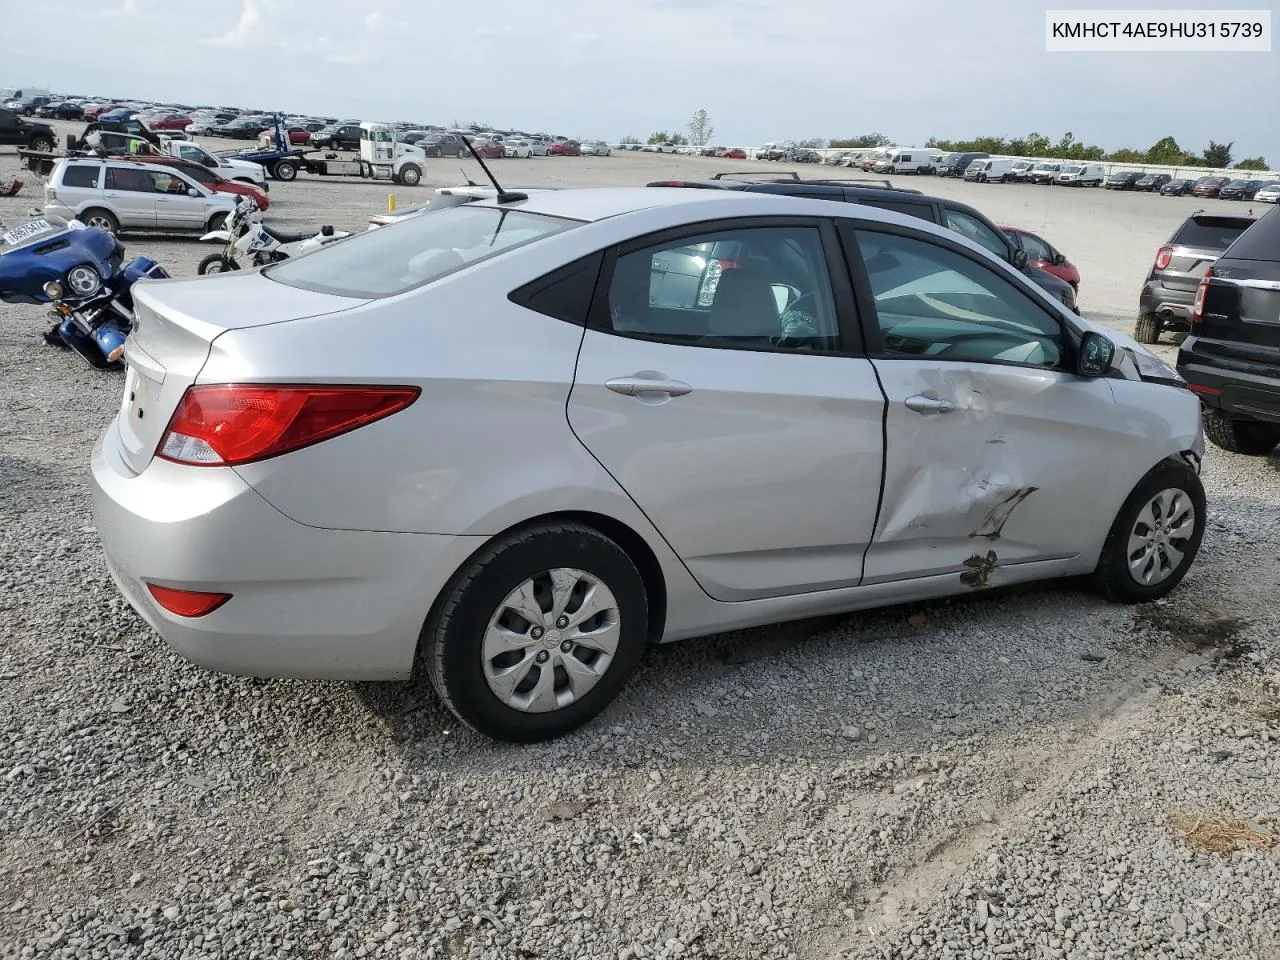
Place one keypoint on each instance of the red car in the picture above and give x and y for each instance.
(489, 149)
(94, 110)
(1042, 254)
(565, 148)
(169, 123)
(734, 153)
(203, 175)
(296, 135)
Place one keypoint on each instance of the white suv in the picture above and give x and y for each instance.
(124, 194)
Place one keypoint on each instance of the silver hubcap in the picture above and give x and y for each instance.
(100, 223)
(1158, 541)
(551, 640)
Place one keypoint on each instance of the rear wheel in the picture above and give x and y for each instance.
(216, 223)
(100, 219)
(1249, 437)
(1155, 537)
(537, 633)
(1147, 329)
(216, 263)
(284, 170)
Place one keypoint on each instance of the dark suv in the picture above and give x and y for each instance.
(444, 145)
(956, 164)
(1232, 357)
(14, 131)
(1180, 265)
(959, 217)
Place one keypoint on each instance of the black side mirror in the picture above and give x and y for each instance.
(1096, 355)
(1059, 259)
(1019, 258)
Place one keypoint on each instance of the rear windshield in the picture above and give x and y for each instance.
(1260, 242)
(1212, 233)
(414, 251)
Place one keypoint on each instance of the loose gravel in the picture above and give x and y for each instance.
(990, 776)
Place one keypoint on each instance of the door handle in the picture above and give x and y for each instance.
(927, 405)
(633, 386)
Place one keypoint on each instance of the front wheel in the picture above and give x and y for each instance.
(284, 170)
(216, 263)
(1249, 437)
(410, 175)
(1155, 537)
(537, 633)
(42, 145)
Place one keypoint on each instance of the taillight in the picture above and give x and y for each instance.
(1163, 256)
(1197, 305)
(187, 603)
(223, 425)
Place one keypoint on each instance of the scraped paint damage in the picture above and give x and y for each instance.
(993, 524)
(979, 569)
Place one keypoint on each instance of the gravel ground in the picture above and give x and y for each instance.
(1033, 773)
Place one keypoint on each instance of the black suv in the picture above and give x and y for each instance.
(444, 145)
(14, 131)
(1166, 299)
(1232, 358)
(959, 217)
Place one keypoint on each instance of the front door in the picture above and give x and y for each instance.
(131, 192)
(175, 207)
(993, 447)
(715, 386)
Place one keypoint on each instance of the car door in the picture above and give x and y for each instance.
(130, 193)
(750, 436)
(994, 448)
(176, 208)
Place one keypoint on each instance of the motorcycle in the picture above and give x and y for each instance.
(245, 235)
(81, 271)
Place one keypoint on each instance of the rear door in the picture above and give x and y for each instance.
(130, 192)
(751, 436)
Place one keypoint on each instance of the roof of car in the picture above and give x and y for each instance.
(599, 203)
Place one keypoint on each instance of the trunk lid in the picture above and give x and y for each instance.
(1197, 245)
(175, 323)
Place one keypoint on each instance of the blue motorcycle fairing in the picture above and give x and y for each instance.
(25, 270)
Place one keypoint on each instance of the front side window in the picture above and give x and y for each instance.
(756, 288)
(1036, 248)
(415, 251)
(977, 231)
(934, 302)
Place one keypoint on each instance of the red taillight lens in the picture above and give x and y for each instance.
(1197, 305)
(187, 603)
(1163, 256)
(222, 425)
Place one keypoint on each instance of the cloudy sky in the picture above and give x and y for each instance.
(763, 69)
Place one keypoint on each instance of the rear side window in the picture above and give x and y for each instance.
(414, 252)
(922, 211)
(1260, 242)
(565, 293)
(1213, 233)
(81, 175)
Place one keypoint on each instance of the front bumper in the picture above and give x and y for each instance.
(306, 602)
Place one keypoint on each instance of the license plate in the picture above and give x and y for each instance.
(28, 230)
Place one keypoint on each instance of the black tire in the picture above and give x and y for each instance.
(451, 638)
(284, 170)
(216, 222)
(1112, 578)
(106, 219)
(1148, 328)
(224, 264)
(410, 175)
(42, 145)
(1250, 437)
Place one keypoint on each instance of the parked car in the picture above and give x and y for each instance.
(1123, 180)
(515, 147)
(733, 153)
(956, 164)
(1269, 192)
(1240, 189)
(61, 110)
(1209, 186)
(1080, 175)
(444, 145)
(169, 122)
(18, 132)
(1151, 182)
(488, 149)
(298, 136)
(1046, 171)
(209, 178)
(594, 148)
(957, 216)
(117, 195)
(567, 148)
(382, 533)
(1042, 255)
(1168, 295)
(240, 129)
(1177, 188)
(986, 170)
(1020, 171)
(1231, 360)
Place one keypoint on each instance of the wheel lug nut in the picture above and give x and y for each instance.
(566, 647)
(542, 656)
(562, 623)
(536, 633)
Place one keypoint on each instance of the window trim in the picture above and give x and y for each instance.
(848, 324)
(872, 333)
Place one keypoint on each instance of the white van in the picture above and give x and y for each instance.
(910, 160)
(1081, 175)
(1020, 172)
(984, 171)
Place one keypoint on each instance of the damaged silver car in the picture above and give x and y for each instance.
(562, 425)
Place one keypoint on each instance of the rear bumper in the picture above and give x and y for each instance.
(1172, 304)
(306, 602)
(1244, 388)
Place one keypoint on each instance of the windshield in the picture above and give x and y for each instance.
(1074, 168)
(415, 251)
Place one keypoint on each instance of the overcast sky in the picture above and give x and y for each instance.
(763, 69)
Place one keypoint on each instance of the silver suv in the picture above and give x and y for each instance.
(116, 195)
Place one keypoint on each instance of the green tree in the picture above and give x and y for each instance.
(1166, 151)
(700, 128)
(813, 143)
(1252, 163)
(863, 140)
(631, 138)
(1218, 154)
(1128, 156)
(661, 136)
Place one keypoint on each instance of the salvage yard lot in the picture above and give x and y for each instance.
(1025, 774)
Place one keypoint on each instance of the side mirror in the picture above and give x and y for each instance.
(1059, 259)
(1096, 355)
(192, 192)
(1019, 258)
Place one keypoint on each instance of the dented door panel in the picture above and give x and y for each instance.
(1007, 467)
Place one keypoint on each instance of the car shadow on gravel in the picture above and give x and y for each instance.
(27, 484)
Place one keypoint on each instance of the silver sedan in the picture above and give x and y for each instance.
(516, 440)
